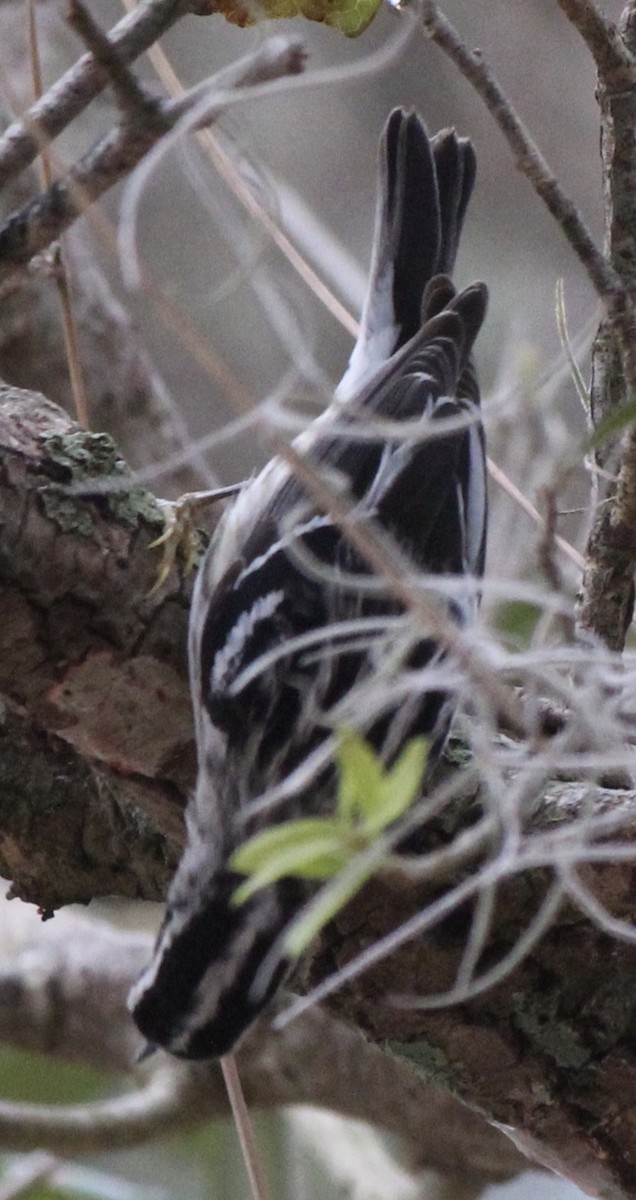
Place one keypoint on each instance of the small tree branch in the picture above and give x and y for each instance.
(130, 95)
(43, 219)
(126, 395)
(607, 605)
(534, 166)
(70, 95)
(607, 602)
(614, 61)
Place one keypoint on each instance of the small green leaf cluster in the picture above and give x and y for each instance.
(342, 848)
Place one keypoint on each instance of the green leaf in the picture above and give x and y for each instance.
(351, 17)
(318, 848)
(329, 901)
(316, 860)
(307, 849)
(401, 785)
(360, 776)
(256, 852)
(516, 621)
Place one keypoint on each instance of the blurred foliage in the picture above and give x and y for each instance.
(343, 848)
(350, 17)
(31, 1077)
(516, 622)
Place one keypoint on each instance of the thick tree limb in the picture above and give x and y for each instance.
(72, 828)
(88, 658)
(549, 1051)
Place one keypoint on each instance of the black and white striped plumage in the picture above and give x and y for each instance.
(270, 673)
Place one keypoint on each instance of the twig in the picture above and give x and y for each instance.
(131, 96)
(608, 593)
(71, 94)
(69, 328)
(20, 1182)
(244, 1128)
(534, 166)
(39, 222)
(518, 497)
(615, 64)
(245, 194)
(125, 1120)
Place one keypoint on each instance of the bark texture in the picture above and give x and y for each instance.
(97, 740)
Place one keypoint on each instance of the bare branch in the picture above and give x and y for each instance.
(607, 603)
(70, 95)
(131, 96)
(38, 1168)
(41, 221)
(615, 63)
(61, 273)
(534, 166)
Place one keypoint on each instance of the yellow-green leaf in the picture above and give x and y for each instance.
(318, 859)
(360, 776)
(351, 17)
(307, 849)
(401, 785)
(329, 901)
(258, 849)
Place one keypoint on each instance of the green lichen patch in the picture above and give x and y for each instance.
(457, 753)
(430, 1062)
(68, 514)
(85, 465)
(536, 1017)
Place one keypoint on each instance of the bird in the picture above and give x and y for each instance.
(290, 626)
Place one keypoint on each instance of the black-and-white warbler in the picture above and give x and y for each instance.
(290, 629)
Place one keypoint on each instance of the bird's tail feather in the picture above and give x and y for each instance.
(425, 186)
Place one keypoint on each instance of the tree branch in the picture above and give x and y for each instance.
(63, 989)
(73, 828)
(533, 165)
(90, 659)
(548, 1052)
(39, 222)
(607, 605)
(614, 60)
(608, 583)
(71, 94)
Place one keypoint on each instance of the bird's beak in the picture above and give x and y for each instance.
(145, 1052)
